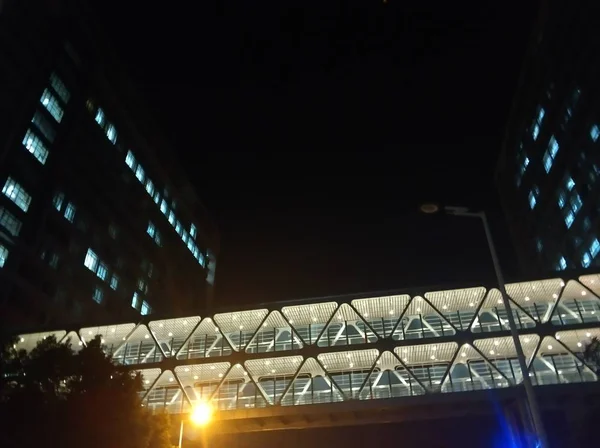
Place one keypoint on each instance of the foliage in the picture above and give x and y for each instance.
(54, 396)
(592, 353)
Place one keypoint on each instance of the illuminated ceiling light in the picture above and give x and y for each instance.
(434, 348)
(185, 322)
(418, 310)
(558, 337)
(314, 319)
(147, 382)
(234, 317)
(378, 362)
(291, 321)
(351, 364)
(80, 343)
(471, 304)
(587, 335)
(146, 336)
(245, 373)
(216, 329)
(560, 372)
(492, 352)
(499, 300)
(526, 340)
(405, 359)
(186, 369)
(555, 296)
(272, 370)
(160, 325)
(579, 344)
(549, 347)
(496, 343)
(265, 324)
(208, 319)
(366, 314)
(445, 307)
(212, 367)
(102, 341)
(463, 354)
(562, 283)
(267, 362)
(89, 332)
(124, 338)
(241, 327)
(527, 299)
(113, 330)
(593, 312)
(171, 379)
(563, 315)
(220, 375)
(195, 377)
(340, 317)
(170, 334)
(391, 312)
(238, 366)
(583, 293)
(348, 355)
(22, 339)
(432, 357)
(404, 350)
(324, 366)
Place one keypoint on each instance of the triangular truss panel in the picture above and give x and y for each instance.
(309, 320)
(346, 327)
(200, 381)
(348, 370)
(206, 341)
(382, 313)
(390, 379)
(166, 395)
(274, 375)
(29, 341)
(238, 391)
(140, 347)
(149, 377)
(538, 298)
(472, 371)
(239, 327)
(311, 385)
(501, 352)
(172, 333)
(112, 336)
(492, 315)
(458, 306)
(577, 340)
(591, 282)
(428, 363)
(576, 305)
(274, 335)
(554, 363)
(422, 320)
(73, 338)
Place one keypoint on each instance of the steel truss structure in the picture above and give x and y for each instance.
(357, 349)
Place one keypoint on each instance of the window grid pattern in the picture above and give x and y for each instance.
(17, 194)
(52, 105)
(10, 222)
(3, 255)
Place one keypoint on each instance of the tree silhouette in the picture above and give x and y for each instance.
(53, 396)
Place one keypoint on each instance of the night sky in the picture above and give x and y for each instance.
(313, 130)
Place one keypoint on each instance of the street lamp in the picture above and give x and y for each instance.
(529, 392)
(201, 415)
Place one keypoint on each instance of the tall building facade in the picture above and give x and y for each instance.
(550, 163)
(96, 218)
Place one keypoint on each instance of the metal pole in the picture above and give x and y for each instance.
(181, 432)
(531, 398)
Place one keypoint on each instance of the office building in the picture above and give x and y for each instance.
(96, 218)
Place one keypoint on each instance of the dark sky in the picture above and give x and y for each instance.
(313, 130)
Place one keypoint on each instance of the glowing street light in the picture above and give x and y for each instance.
(201, 415)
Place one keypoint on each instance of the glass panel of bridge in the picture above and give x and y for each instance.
(239, 327)
(471, 371)
(457, 305)
(112, 336)
(206, 341)
(29, 341)
(349, 369)
(346, 328)
(273, 375)
(421, 320)
(502, 354)
(591, 282)
(492, 315)
(428, 362)
(172, 333)
(149, 376)
(309, 320)
(537, 298)
(311, 386)
(382, 313)
(555, 364)
(390, 379)
(576, 305)
(238, 391)
(139, 348)
(73, 338)
(200, 381)
(577, 340)
(166, 395)
(275, 335)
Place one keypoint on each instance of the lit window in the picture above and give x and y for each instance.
(184, 237)
(539, 245)
(550, 154)
(157, 198)
(561, 199)
(533, 195)
(35, 146)
(3, 255)
(586, 260)
(595, 132)
(139, 173)
(102, 271)
(98, 295)
(51, 104)
(135, 301)
(145, 308)
(114, 282)
(111, 133)
(130, 160)
(17, 194)
(59, 87)
(595, 247)
(57, 201)
(44, 126)
(100, 117)
(569, 218)
(142, 285)
(569, 183)
(163, 207)
(536, 131)
(193, 231)
(149, 187)
(91, 260)
(151, 230)
(541, 113)
(561, 265)
(190, 245)
(70, 212)
(172, 218)
(575, 202)
(178, 227)
(9, 222)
